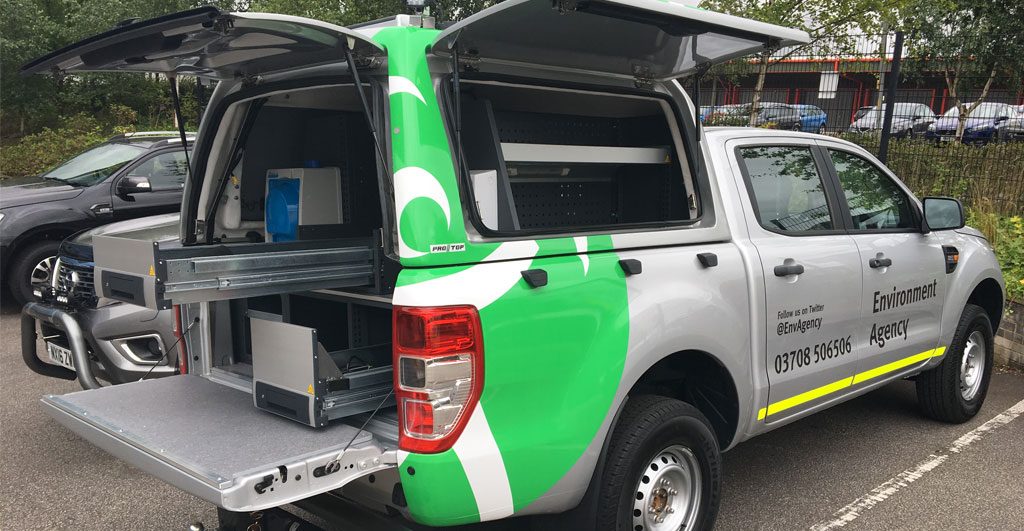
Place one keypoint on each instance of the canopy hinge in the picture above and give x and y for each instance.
(564, 7)
(251, 80)
(223, 24)
(701, 70)
(642, 76)
(470, 62)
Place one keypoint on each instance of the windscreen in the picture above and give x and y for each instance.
(900, 110)
(985, 110)
(95, 165)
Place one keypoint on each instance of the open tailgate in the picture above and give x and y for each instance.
(209, 440)
(655, 39)
(208, 42)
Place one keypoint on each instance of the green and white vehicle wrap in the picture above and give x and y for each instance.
(612, 360)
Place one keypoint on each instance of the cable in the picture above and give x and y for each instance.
(168, 351)
(365, 422)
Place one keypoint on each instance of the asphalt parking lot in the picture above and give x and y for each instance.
(872, 463)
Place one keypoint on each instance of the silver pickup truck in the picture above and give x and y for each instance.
(479, 273)
(90, 338)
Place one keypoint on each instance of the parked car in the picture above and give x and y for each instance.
(89, 337)
(1015, 125)
(985, 124)
(128, 176)
(908, 120)
(812, 118)
(782, 115)
(862, 111)
(557, 299)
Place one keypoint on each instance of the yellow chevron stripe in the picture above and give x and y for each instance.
(898, 364)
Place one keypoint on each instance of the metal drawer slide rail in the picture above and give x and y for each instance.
(160, 274)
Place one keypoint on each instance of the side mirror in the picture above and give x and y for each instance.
(134, 184)
(942, 213)
(1002, 119)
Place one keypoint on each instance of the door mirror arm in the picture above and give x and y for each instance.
(133, 184)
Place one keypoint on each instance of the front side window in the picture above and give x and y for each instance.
(786, 187)
(165, 172)
(876, 202)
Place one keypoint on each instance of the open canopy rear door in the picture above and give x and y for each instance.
(654, 39)
(208, 42)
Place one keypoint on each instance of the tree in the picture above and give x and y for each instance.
(831, 24)
(971, 42)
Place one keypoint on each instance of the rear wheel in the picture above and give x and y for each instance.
(955, 390)
(663, 469)
(31, 268)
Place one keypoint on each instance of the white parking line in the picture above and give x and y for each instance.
(900, 481)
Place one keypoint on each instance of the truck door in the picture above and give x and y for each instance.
(165, 172)
(812, 275)
(903, 269)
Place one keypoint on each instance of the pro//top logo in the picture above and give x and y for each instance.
(447, 248)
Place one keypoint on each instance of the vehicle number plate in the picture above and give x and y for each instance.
(945, 138)
(60, 355)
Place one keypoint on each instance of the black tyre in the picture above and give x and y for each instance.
(955, 390)
(821, 129)
(32, 266)
(663, 469)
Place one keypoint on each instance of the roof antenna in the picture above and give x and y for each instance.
(418, 6)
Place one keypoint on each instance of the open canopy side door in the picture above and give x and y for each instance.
(653, 39)
(210, 43)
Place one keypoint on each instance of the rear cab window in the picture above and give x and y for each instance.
(786, 189)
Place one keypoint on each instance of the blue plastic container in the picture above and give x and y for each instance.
(282, 209)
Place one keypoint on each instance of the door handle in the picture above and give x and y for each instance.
(875, 263)
(786, 270)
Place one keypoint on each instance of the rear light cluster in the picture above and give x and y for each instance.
(439, 368)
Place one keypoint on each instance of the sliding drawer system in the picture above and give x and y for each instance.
(160, 274)
(208, 440)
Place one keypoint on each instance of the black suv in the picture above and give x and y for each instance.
(129, 176)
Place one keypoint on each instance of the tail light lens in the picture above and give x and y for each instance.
(439, 370)
(178, 340)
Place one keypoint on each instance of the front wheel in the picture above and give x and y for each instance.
(663, 469)
(32, 268)
(955, 390)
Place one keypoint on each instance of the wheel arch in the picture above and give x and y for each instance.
(47, 232)
(700, 379)
(988, 294)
